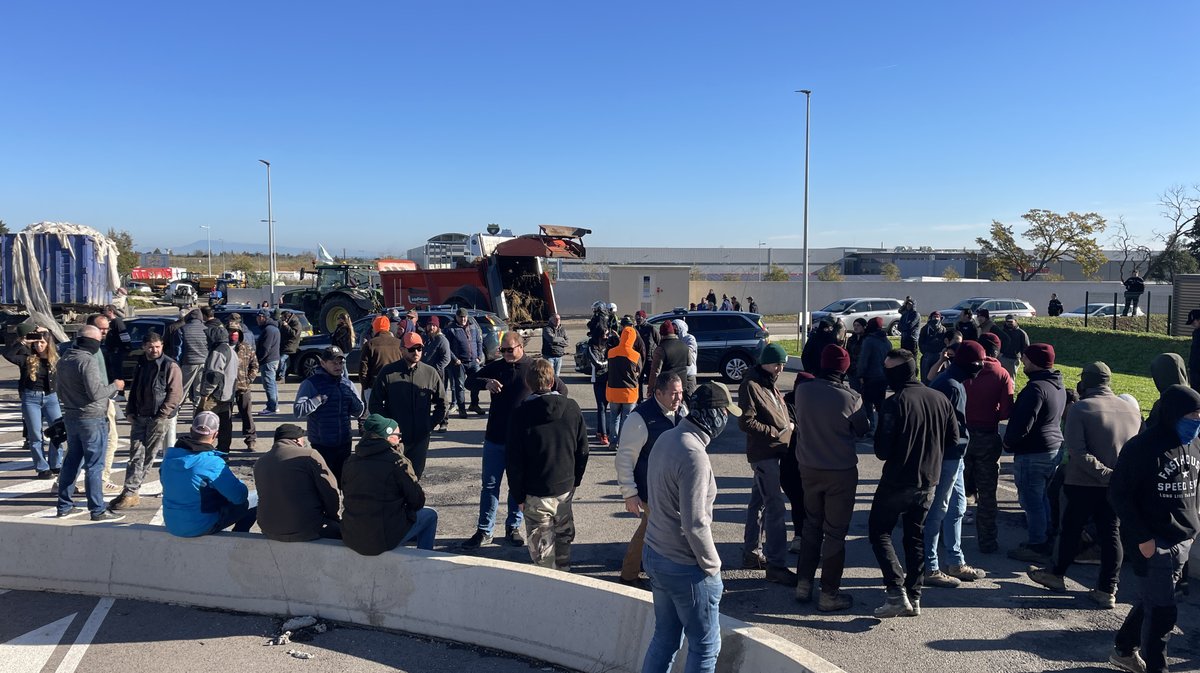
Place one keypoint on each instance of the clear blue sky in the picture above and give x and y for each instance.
(660, 123)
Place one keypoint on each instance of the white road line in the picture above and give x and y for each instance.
(18, 465)
(157, 519)
(3, 591)
(1006, 487)
(29, 653)
(154, 488)
(84, 639)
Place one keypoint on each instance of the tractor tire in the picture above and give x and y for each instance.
(335, 307)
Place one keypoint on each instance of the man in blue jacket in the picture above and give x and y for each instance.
(267, 350)
(201, 496)
(328, 401)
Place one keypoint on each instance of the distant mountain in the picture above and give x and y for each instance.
(253, 248)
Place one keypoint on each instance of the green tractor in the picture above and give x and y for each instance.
(341, 289)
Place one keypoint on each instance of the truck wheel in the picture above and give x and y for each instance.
(734, 367)
(334, 308)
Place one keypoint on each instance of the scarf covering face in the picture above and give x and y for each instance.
(711, 421)
(900, 374)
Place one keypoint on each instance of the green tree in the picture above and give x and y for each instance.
(951, 274)
(830, 273)
(776, 273)
(890, 272)
(242, 262)
(3, 228)
(127, 258)
(1167, 263)
(1053, 236)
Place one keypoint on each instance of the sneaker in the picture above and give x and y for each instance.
(462, 413)
(1132, 662)
(126, 500)
(107, 516)
(475, 409)
(265, 412)
(515, 537)
(111, 488)
(804, 589)
(834, 602)
(754, 560)
(442, 428)
(602, 440)
(1044, 577)
(249, 444)
(74, 511)
(794, 545)
(1103, 598)
(938, 578)
(966, 572)
(897, 605)
(45, 475)
(781, 575)
(1030, 554)
(476, 541)
(914, 606)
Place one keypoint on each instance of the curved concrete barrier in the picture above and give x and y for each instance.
(592, 625)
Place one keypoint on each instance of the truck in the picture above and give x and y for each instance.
(507, 278)
(158, 278)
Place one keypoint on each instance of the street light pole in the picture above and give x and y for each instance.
(804, 298)
(208, 231)
(270, 234)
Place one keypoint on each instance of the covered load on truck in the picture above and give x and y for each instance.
(51, 268)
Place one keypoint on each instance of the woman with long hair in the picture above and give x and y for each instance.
(343, 334)
(37, 358)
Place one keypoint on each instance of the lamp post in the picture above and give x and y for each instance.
(270, 234)
(208, 232)
(804, 297)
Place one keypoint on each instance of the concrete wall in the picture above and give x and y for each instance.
(257, 295)
(574, 297)
(668, 288)
(597, 626)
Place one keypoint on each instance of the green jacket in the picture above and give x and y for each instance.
(380, 497)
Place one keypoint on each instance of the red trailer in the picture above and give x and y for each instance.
(511, 281)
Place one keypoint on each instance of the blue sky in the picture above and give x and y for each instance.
(654, 123)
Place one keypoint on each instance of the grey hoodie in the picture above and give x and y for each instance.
(82, 387)
(1096, 428)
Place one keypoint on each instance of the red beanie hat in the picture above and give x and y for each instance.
(668, 327)
(992, 340)
(1041, 355)
(969, 353)
(835, 358)
(875, 323)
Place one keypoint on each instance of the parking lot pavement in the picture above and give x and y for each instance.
(1002, 623)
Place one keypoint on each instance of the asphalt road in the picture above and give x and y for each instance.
(1002, 623)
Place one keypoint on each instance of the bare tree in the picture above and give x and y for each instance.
(1181, 206)
(1125, 243)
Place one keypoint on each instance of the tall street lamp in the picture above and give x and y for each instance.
(208, 232)
(270, 234)
(804, 297)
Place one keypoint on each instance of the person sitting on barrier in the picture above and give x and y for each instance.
(201, 495)
(298, 497)
(384, 506)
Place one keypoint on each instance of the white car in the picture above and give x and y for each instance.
(135, 287)
(1098, 311)
(866, 308)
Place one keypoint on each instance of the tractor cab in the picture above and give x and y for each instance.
(340, 289)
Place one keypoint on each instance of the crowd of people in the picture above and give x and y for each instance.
(1088, 471)
(709, 303)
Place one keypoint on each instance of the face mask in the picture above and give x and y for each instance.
(971, 369)
(900, 374)
(1187, 429)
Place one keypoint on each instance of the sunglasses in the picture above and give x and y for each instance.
(415, 349)
(507, 350)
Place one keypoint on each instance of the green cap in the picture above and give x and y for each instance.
(380, 426)
(773, 354)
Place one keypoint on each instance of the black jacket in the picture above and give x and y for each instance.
(1035, 424)
(413, 396)
(512, 393)
(1194, 360)
(1013, 342)
(547, 447)
(267, 345)
(932, 338)
(916, 427)
(554, 341)
(43, 380)
(380, 497)
(810, 357)
(1153, 488)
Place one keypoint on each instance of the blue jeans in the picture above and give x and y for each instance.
(557, 364)
(619, 411)
(241, 516)
(423, 530)
(686, 602)
(494, 461)
(87, 439)
(281, 372)
(38, 407)
(1032, 472)
(944, 521)
(270, 387)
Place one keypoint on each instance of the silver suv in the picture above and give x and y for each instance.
(866, 308)
(998, 308)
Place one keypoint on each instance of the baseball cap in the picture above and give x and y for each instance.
(333, 353)
(25, 329)
(714, 395)
(411, 339)
(205, 424)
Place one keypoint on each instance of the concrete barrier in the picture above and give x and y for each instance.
(568, 620)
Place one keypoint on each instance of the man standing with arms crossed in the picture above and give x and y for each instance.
(555, 343)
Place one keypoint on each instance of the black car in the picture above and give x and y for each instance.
(728, 343)
(307, 358)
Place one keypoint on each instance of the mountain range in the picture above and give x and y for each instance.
(255, 248)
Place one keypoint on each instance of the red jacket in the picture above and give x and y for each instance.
(989, 397)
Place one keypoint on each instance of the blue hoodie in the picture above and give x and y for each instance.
(196, 485)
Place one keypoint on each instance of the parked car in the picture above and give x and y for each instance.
(135, 287)
(728, 343)
(866, 308)
(307, 358)
(1098, 311)
(998, 308)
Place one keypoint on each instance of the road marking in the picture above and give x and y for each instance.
(30, 652)
(1006, 487)
(84, 639)
(20, 465)
(157, 519)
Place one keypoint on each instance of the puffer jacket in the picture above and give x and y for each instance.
(624, 370)
(765, 418)
(196, 484)
(82, 387)
(195, 340)
(380, 497)
(328, 420)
